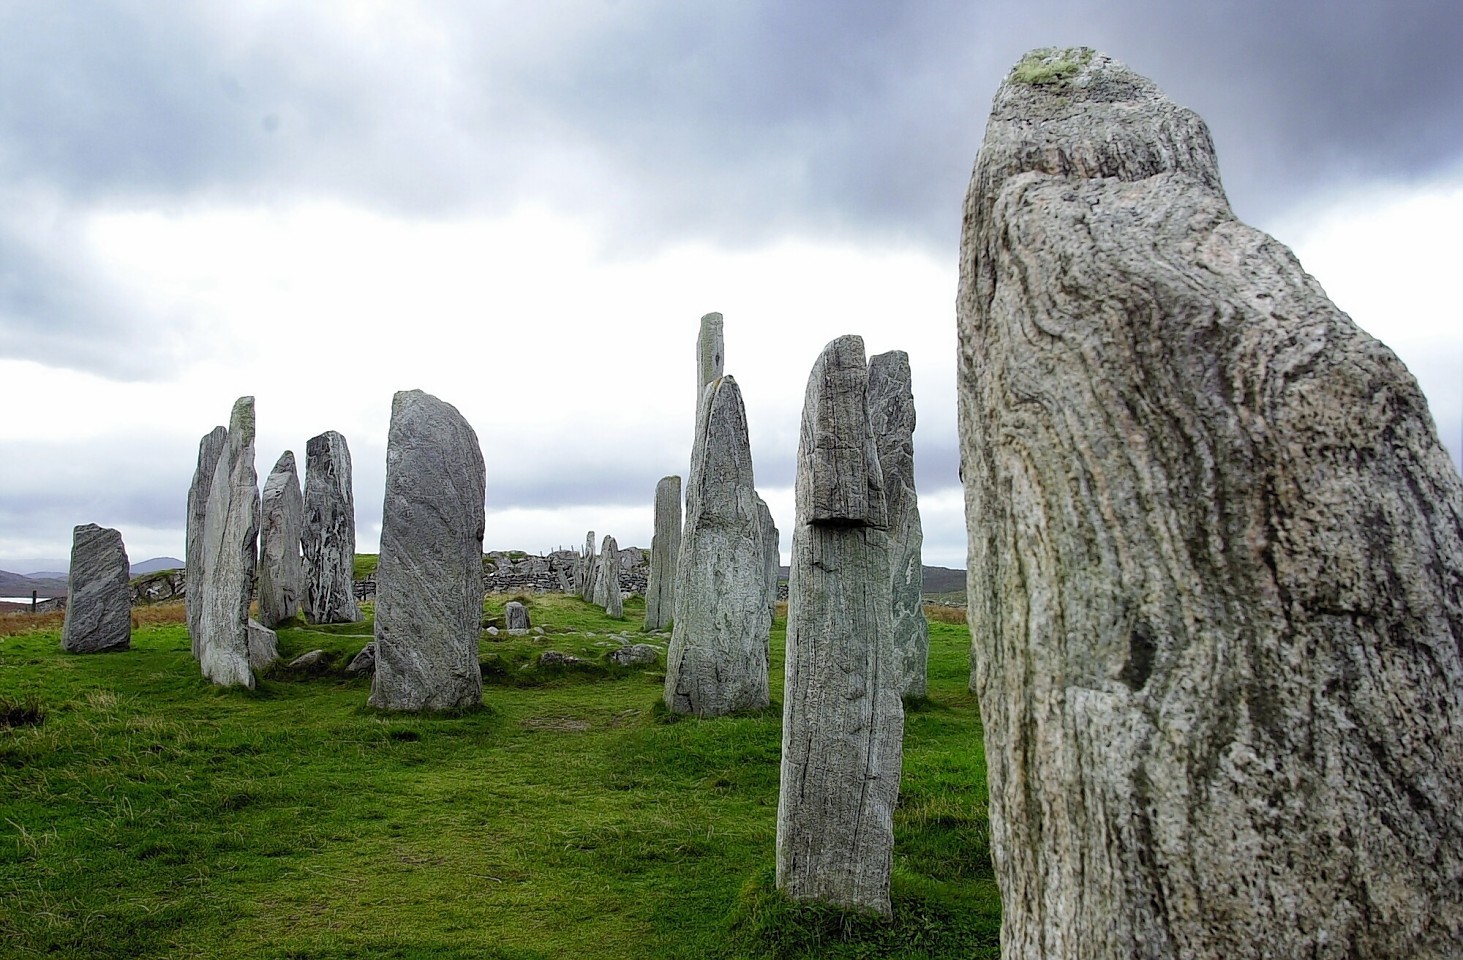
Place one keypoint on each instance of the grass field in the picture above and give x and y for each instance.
(146, 813)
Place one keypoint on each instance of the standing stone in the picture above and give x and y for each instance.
(584, 569)
(210, 448)
(330, 531)
(515, 618)
(665, 549)
(281, 528)
(717, 663)
(607, 579)
(710, 354)
(1215, 560)
(98, 593)
(230, 537)
(771, 562)
(843, 719)
(429, 592)
(891, 414)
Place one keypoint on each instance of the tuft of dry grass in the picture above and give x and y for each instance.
(940, 613)
(12, 624)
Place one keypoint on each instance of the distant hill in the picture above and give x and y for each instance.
(156, 564)
(16, 585)
(937, 580)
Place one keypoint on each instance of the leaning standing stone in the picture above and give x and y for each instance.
(210, 448)
(891, 414)
(843, 719)
(665, 549)
(330, 531)
(429, 593)
(1216, 560)
(281, 526)
(98, 593)
(717, 660)
(230, 538)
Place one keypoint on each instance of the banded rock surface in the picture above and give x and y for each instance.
(429, 591)
(281, 528)
(329, 541)
(665, 549)
(210, 448)
(98, 616)
(891, 415)
(230, 556)
(1216, 560)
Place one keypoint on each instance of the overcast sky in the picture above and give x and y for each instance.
(526, 208)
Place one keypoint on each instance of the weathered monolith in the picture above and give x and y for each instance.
(210, 448)
(1216, 552)
(584, 569)
(716, 663)
(665, 550)
(515, 618)
(891, 414)
(771, 560)
(330, 531)
(710, 354)
(98, 593)
(281, 527)
(607, 579)
(429, 584)
(843, 718)
(230, 545)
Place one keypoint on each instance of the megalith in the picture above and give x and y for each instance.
(584, 569)
(665, 549)
(771, 560)
(429, 583)
(843, 718)
(716, 663)
(515, 618)
(710, 354)
(281, 529)
(607, 579)
(329, 541)
(891, 414)
(210, 448)
(98, 593)
(1215, 556)
(230, 555)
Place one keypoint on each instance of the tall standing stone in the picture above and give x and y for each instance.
(665, 550)
(584, 569)
(281, 529)
(891, 414)
(98, 593)
(1215, 560)
(771, 561)
(710, 354)
(607, 579)
(330, 531)
(843, 719)
(230, 555)
(429, 584)
(716, 662)
(210, 448)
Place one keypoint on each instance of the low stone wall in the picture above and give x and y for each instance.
(512, 571)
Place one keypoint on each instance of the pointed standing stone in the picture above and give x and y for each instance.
(330, 531)
(717, 661)
(1216, 552)
(281, 528)
(429, 593)
(98, 593)
(607, 580)
(230, 544)
(771, 561)
(210, 448)
(891, 414)
(843, 719)
(665, 549)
